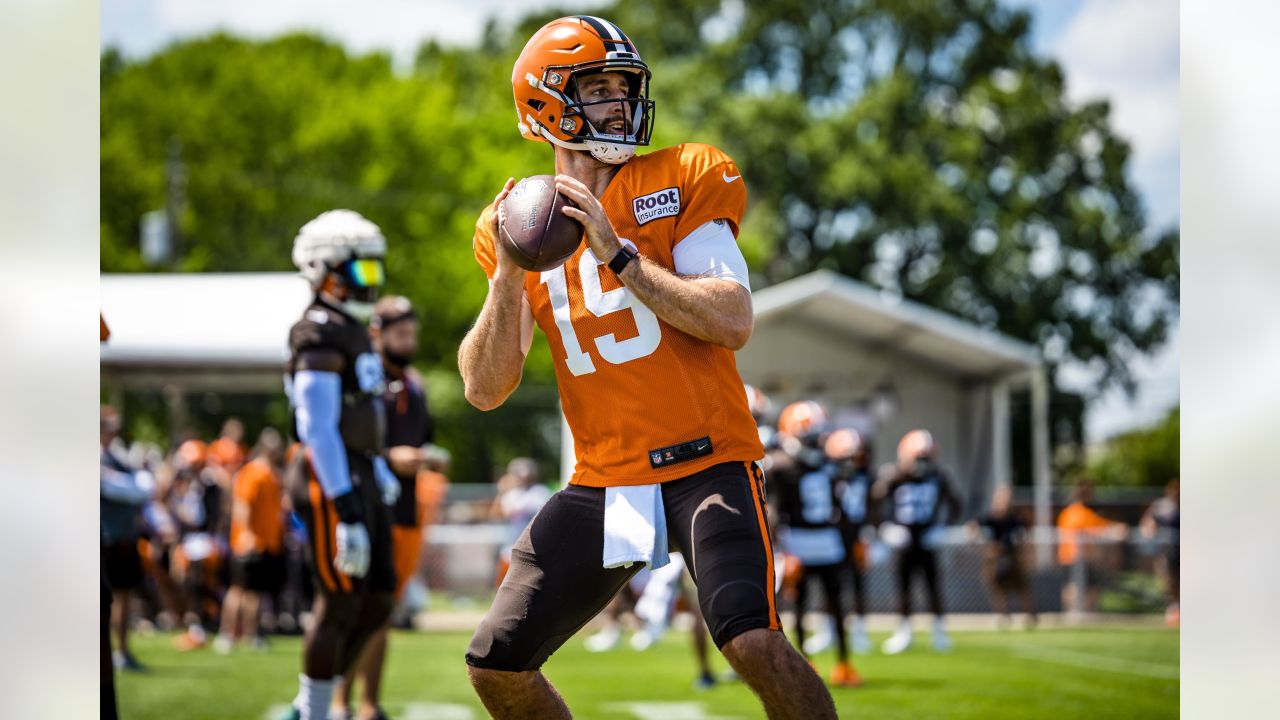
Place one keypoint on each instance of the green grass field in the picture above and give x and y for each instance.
(1042, 674)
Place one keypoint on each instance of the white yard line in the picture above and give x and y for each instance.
(1091, 661)
(665, 710)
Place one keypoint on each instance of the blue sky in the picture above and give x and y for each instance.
(1123, 50)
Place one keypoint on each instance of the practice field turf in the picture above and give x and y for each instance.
(1102, 673)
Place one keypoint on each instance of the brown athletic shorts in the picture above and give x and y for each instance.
(556, 583)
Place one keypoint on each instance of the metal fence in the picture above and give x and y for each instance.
(1117, 574)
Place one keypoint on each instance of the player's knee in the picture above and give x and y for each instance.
(492, 683)
(754, 646)
(491, 651)
(736, 608)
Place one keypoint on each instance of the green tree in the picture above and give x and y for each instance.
(922, 147)
(1148, 457)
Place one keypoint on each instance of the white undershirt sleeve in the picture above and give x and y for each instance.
(712, 251)
(319, 398)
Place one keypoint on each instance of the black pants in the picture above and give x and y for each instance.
(916, 557)
(829, 577)
(556, 583)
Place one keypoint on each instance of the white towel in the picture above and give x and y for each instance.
(635, 526)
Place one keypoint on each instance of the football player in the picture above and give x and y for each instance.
(1003, 569)
(410, 428)
(339, 483)
(917, 494)
(809, 522)
(642, 320)
(851, 466)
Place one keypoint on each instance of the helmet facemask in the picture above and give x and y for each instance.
(637, 109)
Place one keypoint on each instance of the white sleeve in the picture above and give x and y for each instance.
(318, 395)
(712, 251)
(526, 321)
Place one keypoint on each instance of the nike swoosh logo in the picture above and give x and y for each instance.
(729, 178)
(702, 447)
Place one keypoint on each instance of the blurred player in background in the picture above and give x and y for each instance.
(1080, 529)
(809, 521)
(520, 497)
(1003, 567)
(643, 333)
(1162, 521)
(106, 666)
(918, 494)
(339, 481)
(410, 429)
(228, 451)
(257, 543)
(198, 500)
(850, 460)
(122, 493)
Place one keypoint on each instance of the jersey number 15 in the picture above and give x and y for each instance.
(600, 303)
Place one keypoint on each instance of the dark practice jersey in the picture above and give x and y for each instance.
(363, 420)
(916, 501)
(806, 496)
(853, 487)
(1006, 529)
(409, 423)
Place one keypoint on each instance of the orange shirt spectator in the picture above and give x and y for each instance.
(1075, 520)
(228, 450)
(257, 521)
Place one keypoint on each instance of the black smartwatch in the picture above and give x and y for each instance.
(619, 262)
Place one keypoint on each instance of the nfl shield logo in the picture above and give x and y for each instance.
(656, 457)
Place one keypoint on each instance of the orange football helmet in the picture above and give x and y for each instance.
(802, 418)
(844, 444)
(545, 81)
(915, 445)
(192, 452)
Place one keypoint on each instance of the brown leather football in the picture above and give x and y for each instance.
(531, 227)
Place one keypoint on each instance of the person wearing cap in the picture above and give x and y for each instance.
(393, 329)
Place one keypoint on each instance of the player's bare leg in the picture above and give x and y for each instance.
(518, 695)
(780, 676)
(368, 670)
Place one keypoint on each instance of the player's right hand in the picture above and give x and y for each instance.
(505, 263)
(352, 557)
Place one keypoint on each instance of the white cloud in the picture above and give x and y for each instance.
(397, 26)
(1127, 51)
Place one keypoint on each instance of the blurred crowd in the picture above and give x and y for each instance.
(200, 537)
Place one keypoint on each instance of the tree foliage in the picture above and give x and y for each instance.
(1148, 457)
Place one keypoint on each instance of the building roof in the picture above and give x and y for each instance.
(837, 304)
(201, 319)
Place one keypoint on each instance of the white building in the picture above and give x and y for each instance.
(884, 366)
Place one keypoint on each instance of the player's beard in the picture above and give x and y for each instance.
(400, 360)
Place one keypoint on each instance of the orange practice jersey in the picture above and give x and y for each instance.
(646, 402)
(1076, 520)
(257, 485)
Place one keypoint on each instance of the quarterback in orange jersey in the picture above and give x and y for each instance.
(642, 321)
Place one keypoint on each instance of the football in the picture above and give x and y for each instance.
(531, 227)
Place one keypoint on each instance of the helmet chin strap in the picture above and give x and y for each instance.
(611, 153)
(604, 151)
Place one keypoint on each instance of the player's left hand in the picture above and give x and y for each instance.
(601, 237)
(388, 483)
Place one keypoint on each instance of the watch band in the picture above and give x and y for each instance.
(624, 255)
